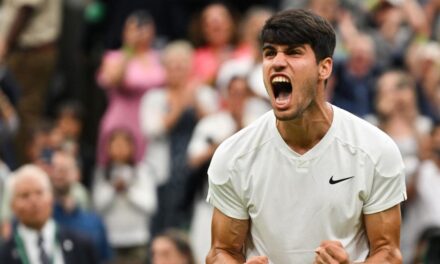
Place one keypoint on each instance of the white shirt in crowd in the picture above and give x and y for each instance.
(126, 215)
(154, 107)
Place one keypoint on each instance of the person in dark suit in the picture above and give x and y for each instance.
(37, 239)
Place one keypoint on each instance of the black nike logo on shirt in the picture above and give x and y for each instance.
(331, 181)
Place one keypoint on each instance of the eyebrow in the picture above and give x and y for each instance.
(267, 46)
(288, 46)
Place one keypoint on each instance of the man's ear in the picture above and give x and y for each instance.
(325, 68)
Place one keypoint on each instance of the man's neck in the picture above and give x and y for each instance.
(34, 227)
(304, 133)
(66, 201)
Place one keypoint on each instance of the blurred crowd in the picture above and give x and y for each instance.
(110, 111)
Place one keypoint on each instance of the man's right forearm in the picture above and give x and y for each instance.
(221, 256)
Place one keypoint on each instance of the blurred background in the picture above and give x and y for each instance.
(123, 103)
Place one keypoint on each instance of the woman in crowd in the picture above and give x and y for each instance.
(217, 31)
(126, 74)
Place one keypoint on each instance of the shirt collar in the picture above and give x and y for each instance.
(29, 234)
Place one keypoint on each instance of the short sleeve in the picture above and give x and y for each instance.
(388, 186)
(223, 191)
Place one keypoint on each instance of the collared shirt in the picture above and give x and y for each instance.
(30, 240)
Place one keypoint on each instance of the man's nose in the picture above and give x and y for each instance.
(279, 61)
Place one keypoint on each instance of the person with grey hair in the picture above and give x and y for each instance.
(37, 239)
(168, 116)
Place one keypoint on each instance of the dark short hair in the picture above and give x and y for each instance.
(181, 242)
(141, 17)
(71, 108)
(299, 27)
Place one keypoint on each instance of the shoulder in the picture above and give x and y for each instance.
(361, 135)
(78, 247)
(67, 233)
(248, 138)
(245, 141)
(8, 252)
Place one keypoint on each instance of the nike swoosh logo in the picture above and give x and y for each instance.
(331, 181)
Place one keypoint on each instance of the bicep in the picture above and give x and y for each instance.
(228, 238)
(383, 231)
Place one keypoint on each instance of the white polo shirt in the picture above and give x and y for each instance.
(296, 201)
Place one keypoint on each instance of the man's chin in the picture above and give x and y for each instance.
(62, 191)
(285, 115)
(36, 225)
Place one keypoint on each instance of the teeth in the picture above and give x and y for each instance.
(280, 79)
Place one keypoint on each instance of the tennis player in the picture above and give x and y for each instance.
(307, 182)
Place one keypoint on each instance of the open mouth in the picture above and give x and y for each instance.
(282, 88)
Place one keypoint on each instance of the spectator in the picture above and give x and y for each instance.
(249, 31)
(248, 63)
(37, 238)
(69, 127)
(394, 25)
(69, 203)
(171, 247)
(398, 116)
(28, 34)
(64, 175)
(216, 27)
(126, 74)
(124, 193)
(168, 117)
(39, 151)
(353, 79)
(208, 134)
(422, 60)
(423, 210)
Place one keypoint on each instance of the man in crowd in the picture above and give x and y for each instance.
(37, 239)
